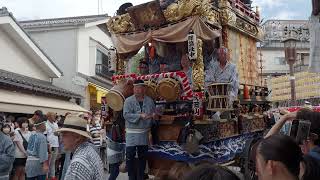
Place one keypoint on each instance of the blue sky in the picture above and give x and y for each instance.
(284, 9)
(35, 9)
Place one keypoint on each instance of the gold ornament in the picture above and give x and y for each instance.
(184, 8)
(205, 9)
(224, 3)
(181, 9)
(260, 33)
(198, 69)
(228, 17)
(121, 24)
(120, 66)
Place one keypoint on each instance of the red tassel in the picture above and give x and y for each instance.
(151, 52)
(246, 92)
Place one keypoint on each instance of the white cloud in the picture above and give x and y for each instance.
(268, 3)
(282, 9)
(34, 9)
(284, 15)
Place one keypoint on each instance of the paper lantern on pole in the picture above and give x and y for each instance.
(290, 54)
(290, 49)
(192, 46)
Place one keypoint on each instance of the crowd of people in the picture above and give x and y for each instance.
(41, 147)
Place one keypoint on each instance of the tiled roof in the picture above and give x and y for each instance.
(24, 82)
(5, 12)
(66, 21)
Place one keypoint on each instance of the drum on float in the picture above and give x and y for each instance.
(168, 89)
(151, 89)
(221, 103)
(116, 96)
(218, 89)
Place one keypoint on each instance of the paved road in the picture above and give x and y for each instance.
(122, 176)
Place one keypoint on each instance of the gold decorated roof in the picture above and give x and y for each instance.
(153, 15)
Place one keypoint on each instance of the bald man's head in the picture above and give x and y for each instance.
(222, 55)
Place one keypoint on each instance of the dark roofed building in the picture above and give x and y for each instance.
(17, 82)
(65, 21)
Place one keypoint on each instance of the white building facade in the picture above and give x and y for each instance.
(271, 49)
(81, 46)
(27, 73)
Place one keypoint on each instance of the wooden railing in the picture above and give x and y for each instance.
(238, 4)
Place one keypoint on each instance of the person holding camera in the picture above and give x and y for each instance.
(311, 145)
(278, 157)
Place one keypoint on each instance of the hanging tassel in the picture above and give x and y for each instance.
(246, 92)
(151, 52)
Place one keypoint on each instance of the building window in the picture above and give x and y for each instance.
(102, 58)
(305, 58)
(102, 64)
(280, 61)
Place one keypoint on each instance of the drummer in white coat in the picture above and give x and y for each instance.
(223, 71)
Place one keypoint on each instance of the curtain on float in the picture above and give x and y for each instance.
(129, 42)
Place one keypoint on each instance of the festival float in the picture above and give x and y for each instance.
(187, 131)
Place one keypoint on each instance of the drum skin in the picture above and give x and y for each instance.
(116, 96)
(151, 89)
(169, 89)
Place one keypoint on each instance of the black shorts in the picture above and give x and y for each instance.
(19, 162)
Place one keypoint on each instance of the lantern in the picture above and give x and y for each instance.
(290, 55)
(290, 49)
(192, 46)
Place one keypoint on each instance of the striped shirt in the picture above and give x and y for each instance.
(95, 131)
(85, 164)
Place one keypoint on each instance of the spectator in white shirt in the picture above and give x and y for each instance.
(20, 140)
(53, 140)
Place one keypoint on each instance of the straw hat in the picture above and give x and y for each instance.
(75, 124)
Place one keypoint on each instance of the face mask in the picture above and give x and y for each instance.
(25, 125)
(6, 130)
